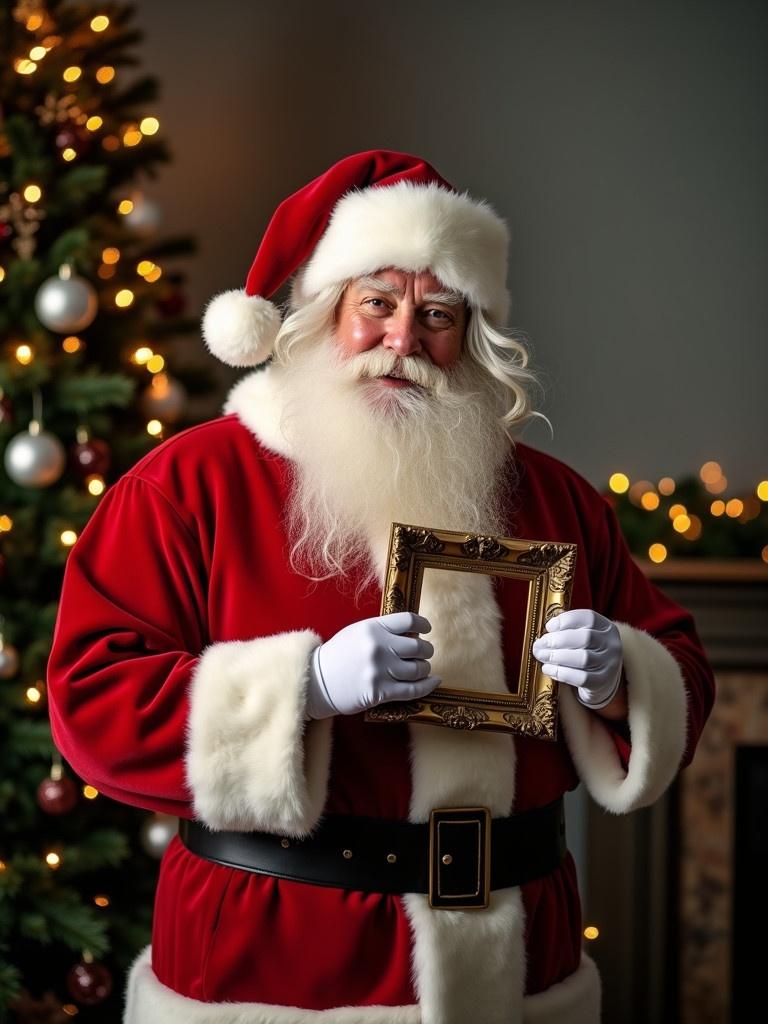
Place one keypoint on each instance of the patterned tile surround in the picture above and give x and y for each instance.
(740, 717)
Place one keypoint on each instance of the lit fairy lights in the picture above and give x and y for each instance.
(142, 355)
(33, 694)
(90, 792)
(657, 553)
(691, 527)
(619, 483)
(155, 364)
(68, 538)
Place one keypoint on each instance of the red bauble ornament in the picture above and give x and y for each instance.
(57, 796)
(6, 409)
(89, 983)
(90, 457)
(172, 303)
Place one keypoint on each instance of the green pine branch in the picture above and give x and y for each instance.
(10, 985)
(99, 848)
(28, 739)
(93, 390)
(69, 921)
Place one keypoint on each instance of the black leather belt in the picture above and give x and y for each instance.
(457, 857)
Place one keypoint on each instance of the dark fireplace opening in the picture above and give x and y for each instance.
(750, 880)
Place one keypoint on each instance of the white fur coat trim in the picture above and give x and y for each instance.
(414, 227)
(468, 965)
(252, 761)
(657, 725)
(148, 1001)
(257, 401)
(575, 1000)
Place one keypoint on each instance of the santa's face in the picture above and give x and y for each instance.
(368, 450)
(406, 314)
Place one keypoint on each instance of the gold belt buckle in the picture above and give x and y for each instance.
(459, 858)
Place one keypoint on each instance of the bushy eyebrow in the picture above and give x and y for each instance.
(377, 285)
(446, 298)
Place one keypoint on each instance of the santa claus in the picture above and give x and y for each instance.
(219, 640)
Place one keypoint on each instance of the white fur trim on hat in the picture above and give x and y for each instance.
(461, 240)
(240, 329)
(657, 724)
(253, 760)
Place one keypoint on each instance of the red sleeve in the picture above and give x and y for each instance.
(625, 594)
(130, 627)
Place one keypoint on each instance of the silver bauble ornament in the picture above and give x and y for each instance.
(164, 398)
(145, 217)
(9, 660)
(35, 458)
(66, 303)
(157, 832)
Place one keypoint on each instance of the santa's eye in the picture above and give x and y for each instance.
(375, 304)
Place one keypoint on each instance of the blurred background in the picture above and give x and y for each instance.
(626, 144)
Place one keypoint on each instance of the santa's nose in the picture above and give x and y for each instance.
(402, 334)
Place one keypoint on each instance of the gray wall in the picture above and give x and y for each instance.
(625, 143)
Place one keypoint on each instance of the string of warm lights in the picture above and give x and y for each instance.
(645, 495)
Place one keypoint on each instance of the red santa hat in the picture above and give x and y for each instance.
(369, 211)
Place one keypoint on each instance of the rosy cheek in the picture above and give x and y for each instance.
(360, 333)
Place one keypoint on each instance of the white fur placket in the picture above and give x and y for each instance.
(467, 963)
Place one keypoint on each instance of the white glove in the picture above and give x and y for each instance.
(583, 649)
(368, 663)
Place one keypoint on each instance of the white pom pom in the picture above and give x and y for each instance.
(240, 329)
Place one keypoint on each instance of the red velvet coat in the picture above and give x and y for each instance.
(176, 683)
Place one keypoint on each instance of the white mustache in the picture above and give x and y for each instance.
(385, 363)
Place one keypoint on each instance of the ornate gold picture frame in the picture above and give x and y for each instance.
(548, 566)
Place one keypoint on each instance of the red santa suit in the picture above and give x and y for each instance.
(178, 683)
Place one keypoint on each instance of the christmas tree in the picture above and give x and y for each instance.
(89, 316)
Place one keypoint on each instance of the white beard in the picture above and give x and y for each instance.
(367, 455)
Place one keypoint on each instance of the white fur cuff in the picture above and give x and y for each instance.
(657, 724)
(253, 762)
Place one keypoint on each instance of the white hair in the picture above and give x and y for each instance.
(503, 354)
